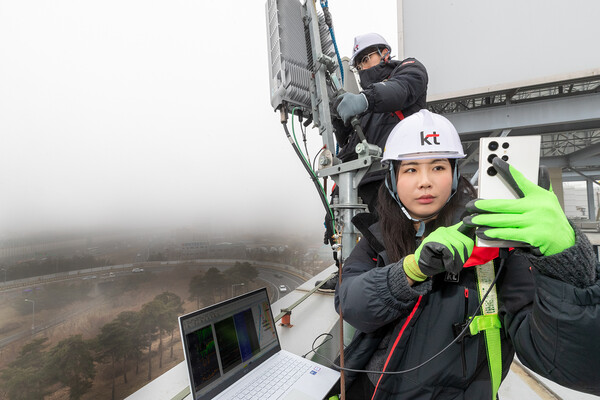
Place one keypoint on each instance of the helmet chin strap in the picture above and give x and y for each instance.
(385, 58)
(393, 190)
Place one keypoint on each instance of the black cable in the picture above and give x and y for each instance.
(503, 254)
(315, 159)
(313, 343)
(308, 169)
(303, 130)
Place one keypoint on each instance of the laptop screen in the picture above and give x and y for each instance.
(225, 341)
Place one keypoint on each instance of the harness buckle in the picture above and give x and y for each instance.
(484, 322)
(458, 327)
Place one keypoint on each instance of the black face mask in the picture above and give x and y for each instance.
(374, 74)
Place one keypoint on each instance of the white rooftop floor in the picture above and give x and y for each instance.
(315, 316)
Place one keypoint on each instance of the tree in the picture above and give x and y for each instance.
(213, 281)
(241, 272)
(196, 288)
(112, 344)
(173, 307)
(130, 320)
(22, 378)
(149, 317)
(71, 363)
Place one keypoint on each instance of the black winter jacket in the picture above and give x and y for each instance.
(390, 87)
(552, 325)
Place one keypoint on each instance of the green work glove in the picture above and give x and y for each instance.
(444, 250)
(535, 219)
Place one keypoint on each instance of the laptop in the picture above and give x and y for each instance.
(232, 351)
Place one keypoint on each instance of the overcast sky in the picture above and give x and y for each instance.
(152, 113)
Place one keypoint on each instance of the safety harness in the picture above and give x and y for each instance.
(489, 323)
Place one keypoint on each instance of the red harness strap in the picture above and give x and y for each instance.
(481, 255)
(399, 115)
(414, 310)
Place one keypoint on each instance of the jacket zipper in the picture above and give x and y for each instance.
(462, 340)
(408, 319)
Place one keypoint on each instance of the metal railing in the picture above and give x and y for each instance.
(288, 310)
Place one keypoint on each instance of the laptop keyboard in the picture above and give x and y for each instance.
(282, 374)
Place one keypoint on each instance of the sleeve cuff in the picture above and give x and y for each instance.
(575, 265)
(411, 269)
(399, 287)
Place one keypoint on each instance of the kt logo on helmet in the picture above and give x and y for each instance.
(425, 138)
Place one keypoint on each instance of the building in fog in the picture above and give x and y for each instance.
(576, 200)
(203, 249)
(192, 250)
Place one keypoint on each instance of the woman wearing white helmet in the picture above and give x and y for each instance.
(414, 281)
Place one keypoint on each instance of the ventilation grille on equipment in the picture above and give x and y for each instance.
(290, 55)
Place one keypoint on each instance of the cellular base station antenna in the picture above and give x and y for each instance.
(304, 79)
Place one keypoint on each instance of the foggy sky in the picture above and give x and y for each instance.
(152, 113)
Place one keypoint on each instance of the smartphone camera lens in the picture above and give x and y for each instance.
(492, 171)
(505, 158)
(493, 146)
(505, 145)
(491, 158)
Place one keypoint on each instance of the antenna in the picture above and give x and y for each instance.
(303, 74)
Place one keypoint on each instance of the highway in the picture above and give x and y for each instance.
(273, 277)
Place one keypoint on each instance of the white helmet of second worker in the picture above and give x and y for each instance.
(423, 135)
(368, 40)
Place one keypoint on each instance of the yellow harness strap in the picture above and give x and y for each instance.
(489, 323)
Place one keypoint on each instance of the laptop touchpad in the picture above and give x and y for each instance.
(294, 394)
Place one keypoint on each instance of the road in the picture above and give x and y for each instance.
(275, 278)
(272, 277)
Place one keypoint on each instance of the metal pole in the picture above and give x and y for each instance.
(320, 103)
(348, 199)
(590, 200)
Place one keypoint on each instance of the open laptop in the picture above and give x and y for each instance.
(232, 351)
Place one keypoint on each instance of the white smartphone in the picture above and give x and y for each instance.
(523, 153)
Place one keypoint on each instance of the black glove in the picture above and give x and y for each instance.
(445, 249)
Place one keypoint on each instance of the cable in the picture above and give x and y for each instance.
(315, 159)
(303, 130)
(296, 140)
(307, 166)
(337, 53)
(329, 22)
(458, 337)
(313, 348)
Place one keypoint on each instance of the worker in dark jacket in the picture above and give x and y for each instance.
(391, 90)
(414, 282)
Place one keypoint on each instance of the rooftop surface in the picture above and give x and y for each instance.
(315, 316)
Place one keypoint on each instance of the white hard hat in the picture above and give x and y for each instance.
(365, 41)
(423, 135)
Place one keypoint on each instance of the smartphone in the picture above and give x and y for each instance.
(523, 153)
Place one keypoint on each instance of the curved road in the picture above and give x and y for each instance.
(272, 277)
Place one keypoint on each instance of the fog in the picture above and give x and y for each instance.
(135, 113)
